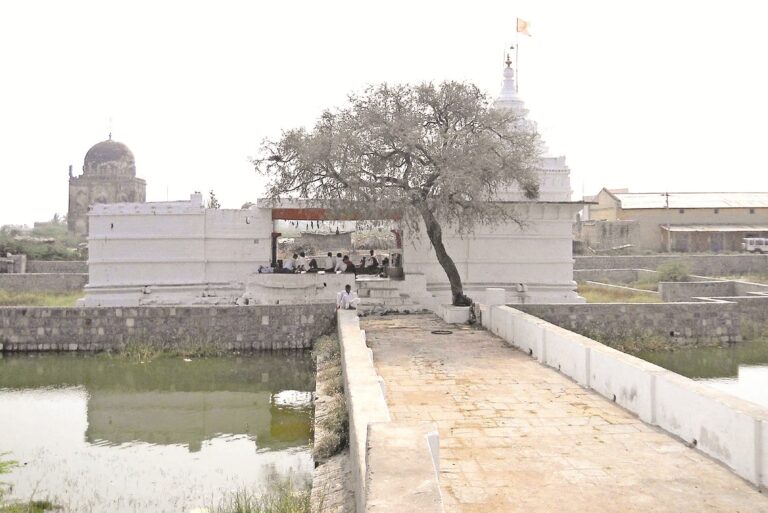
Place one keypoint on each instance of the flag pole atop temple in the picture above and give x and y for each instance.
(522, 27)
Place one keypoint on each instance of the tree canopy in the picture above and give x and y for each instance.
(433, 154)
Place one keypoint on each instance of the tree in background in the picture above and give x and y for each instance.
(212, 201)
(435, 155)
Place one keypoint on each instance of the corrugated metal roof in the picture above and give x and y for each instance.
(693, 200)
(716, 228)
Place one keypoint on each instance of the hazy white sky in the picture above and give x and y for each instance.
(650, 95)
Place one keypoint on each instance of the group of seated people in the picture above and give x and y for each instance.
(299, 263)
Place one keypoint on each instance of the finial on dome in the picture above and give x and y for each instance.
(508, 62)
(110, 136)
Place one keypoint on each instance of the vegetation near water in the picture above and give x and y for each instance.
(31, 506)
(8, 298)
(333, 421)
(279, 497)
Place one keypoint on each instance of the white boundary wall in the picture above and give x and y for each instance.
(394, 464)
(730, 430)
(542, 258)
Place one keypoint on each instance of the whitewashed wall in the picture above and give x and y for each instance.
(538, 255)
(176, 247)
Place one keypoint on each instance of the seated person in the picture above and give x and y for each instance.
(384, 266)
(312, 266)
(371, 264)
(347, 300)
(347, 265)
(339, 264)
(289, 265)
(302, 265)
(330, 263)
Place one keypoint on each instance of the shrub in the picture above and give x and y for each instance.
(673, 271)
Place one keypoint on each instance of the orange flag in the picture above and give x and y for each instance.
(523, 26)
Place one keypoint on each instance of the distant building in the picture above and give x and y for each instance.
(676, 221)
(109, 176)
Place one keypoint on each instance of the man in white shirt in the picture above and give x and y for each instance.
(290, 263)
(347, 300)
(341, 266)
(302, 264)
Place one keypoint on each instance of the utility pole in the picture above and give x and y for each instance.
(669, 233)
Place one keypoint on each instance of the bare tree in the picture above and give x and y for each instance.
(431, 154)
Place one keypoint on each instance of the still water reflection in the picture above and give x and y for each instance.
(741, 369)
(100, 434)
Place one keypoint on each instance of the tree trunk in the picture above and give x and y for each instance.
(435, 233)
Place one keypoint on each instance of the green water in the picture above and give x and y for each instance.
(740, 369)
(97, 434)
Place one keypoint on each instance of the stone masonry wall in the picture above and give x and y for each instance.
(57, 266)
(52, 283)
(688, 290)
(707, 265)
(676, 323)
(100, 328)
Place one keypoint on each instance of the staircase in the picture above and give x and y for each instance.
(380, 295)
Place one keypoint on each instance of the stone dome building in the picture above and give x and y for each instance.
(109, 176)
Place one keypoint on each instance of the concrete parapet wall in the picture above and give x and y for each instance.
(393, 464)
(677, 323)
(57, 266)
(285, 288)
(102, 328)
(674, 291)
(731, 430)
(53, 282)
(708, 265)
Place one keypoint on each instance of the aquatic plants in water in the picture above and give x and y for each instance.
(279, 497)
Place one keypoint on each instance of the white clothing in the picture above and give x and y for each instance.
(289, 264)
(302, 264)
(340, 266)
(345, 300)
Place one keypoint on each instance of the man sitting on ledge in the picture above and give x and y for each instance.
(347, 300)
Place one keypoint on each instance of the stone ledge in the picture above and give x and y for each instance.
(401, 474)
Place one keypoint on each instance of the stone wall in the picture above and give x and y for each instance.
(675, 323)
(56, 283)
(707, 265)
(57, 266)
(688, 290)
(730, 430)
(100, 328)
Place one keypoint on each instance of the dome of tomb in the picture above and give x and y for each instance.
(109, 158)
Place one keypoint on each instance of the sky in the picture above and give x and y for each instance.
(647, 95)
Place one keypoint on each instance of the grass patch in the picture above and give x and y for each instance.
(29, 507)
(280, 497)
(595, 294)
(143, 351)
(646, 283)
(8, 298)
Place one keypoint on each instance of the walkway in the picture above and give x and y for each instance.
(516, 436)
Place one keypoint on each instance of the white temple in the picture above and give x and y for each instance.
(182, 253)
(534, 264)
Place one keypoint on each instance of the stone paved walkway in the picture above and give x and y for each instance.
(516, 436)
